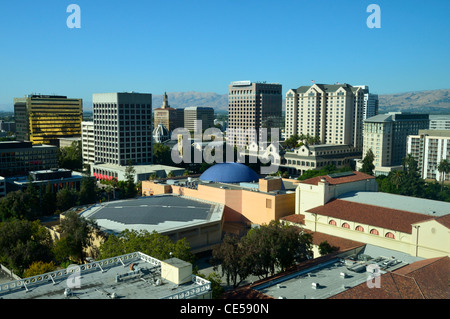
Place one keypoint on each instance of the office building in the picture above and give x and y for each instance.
(253, 106)
(123, 128)
(7, 126)
(142, 172)
(333, 113)
(429, 148)
(20, 157)
(370, 102)
(43, 119)
(166, 115)
(192, 114)
(386, 135)
(440, 122)
(57, 179)
(87, 142)
(68, 141)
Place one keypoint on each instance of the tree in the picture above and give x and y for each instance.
(23, 242)
(38, 268)
(162, 154)
(70, 157)
(443, 168)
(79, 234)
(89, 191)
(153, 244)
(66, 198)
(129, 187)
(48, 203)
(367, 163)
(325, 248)
(18, 205)
(397, 178)
(229, 255)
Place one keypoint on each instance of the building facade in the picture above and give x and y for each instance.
(18, 158)
(386, 136)
(192, 114)
(440, 122)
(43, 119)
(123, 128)
(252, 106)
(429, 148)
(166, 115)
(334, 113)
(87, 142)
(311, 157)
(370, 102)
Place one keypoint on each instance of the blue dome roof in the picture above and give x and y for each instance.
(229, 173)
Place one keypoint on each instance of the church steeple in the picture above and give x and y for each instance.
(165, 101)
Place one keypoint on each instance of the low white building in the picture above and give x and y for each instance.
(142, 172)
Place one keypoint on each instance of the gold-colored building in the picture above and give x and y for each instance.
(44, 119)
(166, 115)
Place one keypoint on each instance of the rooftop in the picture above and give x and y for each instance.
(340, 178)
(160, 213)
(327, 276)
(393, 219)
(106, 279)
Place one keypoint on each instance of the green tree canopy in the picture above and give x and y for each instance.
(23, 242)
(153, 244)
(367, 163)
(78, 233)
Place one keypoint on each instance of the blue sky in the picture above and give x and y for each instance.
(203, 45)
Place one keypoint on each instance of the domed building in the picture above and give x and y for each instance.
(229, 173)
(161, 134)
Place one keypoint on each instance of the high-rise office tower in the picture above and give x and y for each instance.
(370, 102)
(253, 106)
(165, 115)
(192, 114)
(333, 113)
(123, 128)
(43, 119)
(386, 136)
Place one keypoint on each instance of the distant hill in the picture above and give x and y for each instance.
(184, 99)
(432, 102)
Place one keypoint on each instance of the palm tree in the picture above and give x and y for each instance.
(397, 178)
(443, 168)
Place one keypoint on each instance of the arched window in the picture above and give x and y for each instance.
(374, 232)
(345, 225)
(390, 235)
(359, 228)
(332, 222)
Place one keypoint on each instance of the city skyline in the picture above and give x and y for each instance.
(202, 46)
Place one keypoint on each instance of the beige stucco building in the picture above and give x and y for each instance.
(349, 206)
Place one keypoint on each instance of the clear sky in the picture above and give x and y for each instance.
(202, 45)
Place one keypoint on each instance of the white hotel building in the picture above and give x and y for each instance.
(429, 148)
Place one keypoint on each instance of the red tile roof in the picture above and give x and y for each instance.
(388, 218)
(357, 176)
(295, 218)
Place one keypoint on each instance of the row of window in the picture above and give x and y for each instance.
(361, 229)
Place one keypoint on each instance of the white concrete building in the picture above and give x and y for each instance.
(429, 148)
(123, 128)
(87, 142)
(334, 113)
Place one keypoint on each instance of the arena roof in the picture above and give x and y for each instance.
(161, 213)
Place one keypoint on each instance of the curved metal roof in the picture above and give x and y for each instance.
(229, 173)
